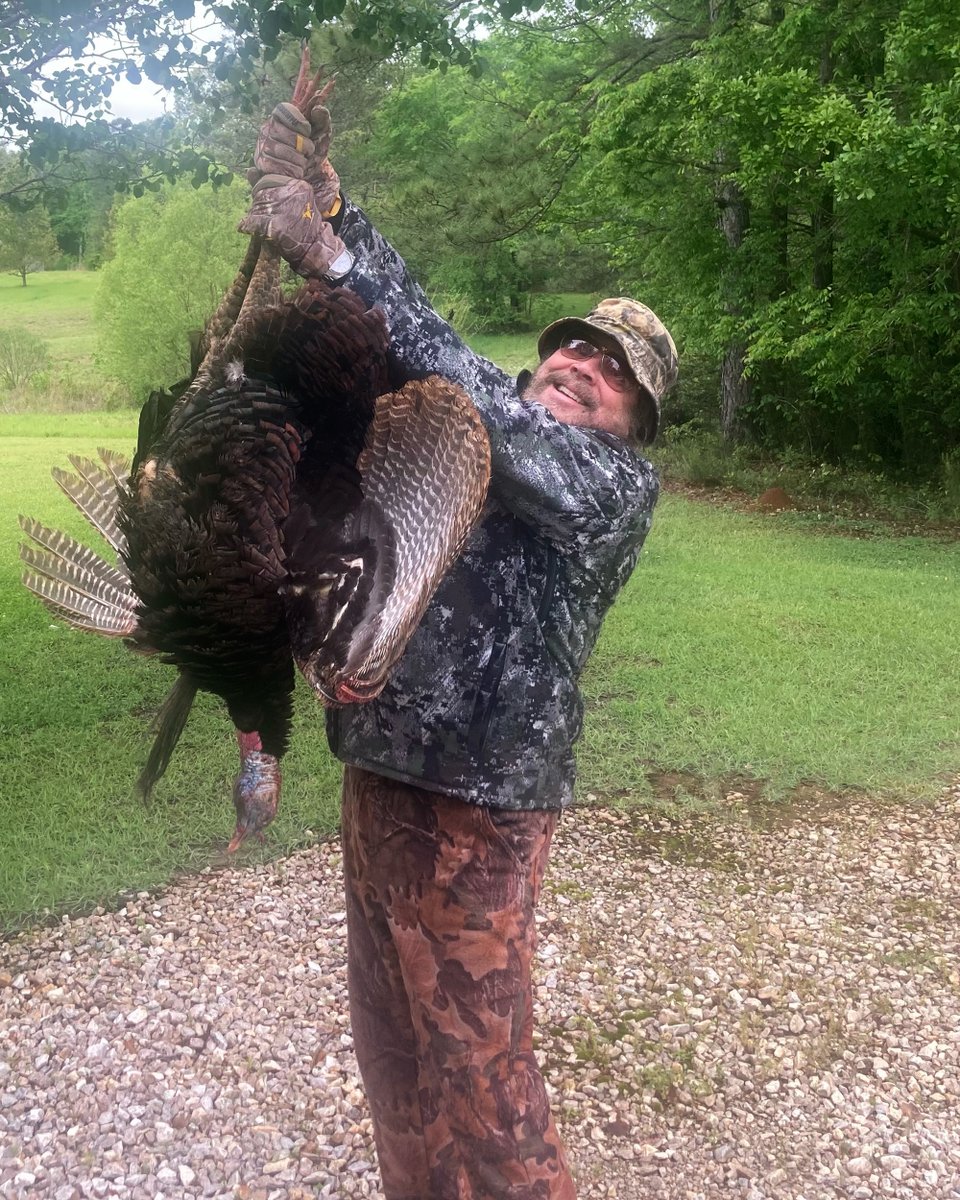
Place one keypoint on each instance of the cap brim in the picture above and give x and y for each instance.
(551, 337)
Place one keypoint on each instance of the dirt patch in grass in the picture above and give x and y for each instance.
(837, 519)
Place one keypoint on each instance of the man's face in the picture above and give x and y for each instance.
(576, 392)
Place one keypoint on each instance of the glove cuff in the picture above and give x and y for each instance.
(341, 265)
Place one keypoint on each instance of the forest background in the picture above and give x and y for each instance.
(780, 181)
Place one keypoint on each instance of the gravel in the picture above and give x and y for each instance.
(751, 1002)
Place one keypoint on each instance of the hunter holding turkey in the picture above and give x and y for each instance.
(456, 774)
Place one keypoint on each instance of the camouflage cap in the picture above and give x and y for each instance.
(643, 338)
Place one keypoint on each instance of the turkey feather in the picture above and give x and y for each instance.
(170, 723)
(94, 492)
(76, 584)
(425, 466)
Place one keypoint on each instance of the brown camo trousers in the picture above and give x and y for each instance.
(441, 937)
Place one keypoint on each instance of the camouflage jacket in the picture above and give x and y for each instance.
(484, 705)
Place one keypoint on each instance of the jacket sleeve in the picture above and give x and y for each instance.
(571, 484)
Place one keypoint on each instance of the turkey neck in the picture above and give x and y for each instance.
(262, 711)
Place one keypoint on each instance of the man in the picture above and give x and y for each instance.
(455, 775)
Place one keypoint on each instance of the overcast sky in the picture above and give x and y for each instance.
(140, 101)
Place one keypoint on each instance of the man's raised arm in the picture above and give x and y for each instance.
(572, 483)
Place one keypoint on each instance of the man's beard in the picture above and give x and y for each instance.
(581, 392)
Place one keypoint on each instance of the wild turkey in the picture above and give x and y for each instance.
(286, 508)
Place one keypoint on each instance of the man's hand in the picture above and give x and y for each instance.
(286, 211)
(295, 185)
(293, 146)
(319, 170)
(284, 145)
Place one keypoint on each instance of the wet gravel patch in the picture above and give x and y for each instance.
(728, 1006)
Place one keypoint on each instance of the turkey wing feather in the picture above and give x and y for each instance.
(425, 468)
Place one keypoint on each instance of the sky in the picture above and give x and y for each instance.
(138, 101)
(141, 101)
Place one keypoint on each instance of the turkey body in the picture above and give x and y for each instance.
(287, 510)
(205, 512)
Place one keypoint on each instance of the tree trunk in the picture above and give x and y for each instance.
(735, 387)
(22, 271)
(734, 221)
(779, 217)
(822, 217)
(822, 228)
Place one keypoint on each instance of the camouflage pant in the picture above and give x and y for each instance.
(441, 931)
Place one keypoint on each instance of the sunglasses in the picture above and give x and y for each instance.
(611, 368)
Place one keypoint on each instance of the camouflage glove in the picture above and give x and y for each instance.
(291, 146)
(319, 170)
(286, 211)
(284, 145)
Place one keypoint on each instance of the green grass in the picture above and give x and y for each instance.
(513, 352)
(744, 646)
(57, 306)
(741, 646)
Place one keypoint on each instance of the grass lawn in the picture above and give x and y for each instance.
(742, 646)
(514, 352)
(745, 647)
(57, 306)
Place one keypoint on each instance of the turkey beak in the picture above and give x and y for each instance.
(256, 795)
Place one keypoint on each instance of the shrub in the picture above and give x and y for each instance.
(456, 308)
(693, 454)
(22, 355)
(696, 398)
(949, 499)
(175, 251)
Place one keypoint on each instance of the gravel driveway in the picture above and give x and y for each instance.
(736, 1005)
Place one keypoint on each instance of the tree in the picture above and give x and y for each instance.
(80, 215)
(484, 180)
(842, 285)
(71, 56)
(27, 242)
(174, 252)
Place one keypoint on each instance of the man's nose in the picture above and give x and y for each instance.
(587, 367)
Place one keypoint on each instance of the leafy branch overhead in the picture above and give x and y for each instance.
(60, 62)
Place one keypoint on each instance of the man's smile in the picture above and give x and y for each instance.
(576, 393)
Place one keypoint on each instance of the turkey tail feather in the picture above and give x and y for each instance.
(77, 585)
(170, 724)
(116, 464)
(94, 490)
